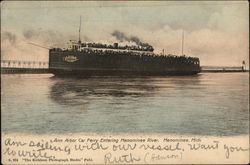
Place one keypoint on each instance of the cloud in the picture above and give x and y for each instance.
(8, 37)
(217, 33)
(46, 37)
(14, 47)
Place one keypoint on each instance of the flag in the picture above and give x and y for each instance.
(243, 62)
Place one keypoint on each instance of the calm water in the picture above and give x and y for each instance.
(206, 104)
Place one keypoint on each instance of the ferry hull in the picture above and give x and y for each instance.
(89, 73)
(69, 63)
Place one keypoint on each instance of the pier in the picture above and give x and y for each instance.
(15, 67)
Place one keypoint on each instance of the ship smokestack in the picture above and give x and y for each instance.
(116, 45)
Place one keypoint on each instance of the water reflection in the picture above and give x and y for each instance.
(77, 91)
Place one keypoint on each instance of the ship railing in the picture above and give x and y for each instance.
(134, 48)
(105, 51)
(75, 45)
(99, 45)
(116, 50)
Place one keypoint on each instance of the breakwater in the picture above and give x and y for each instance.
(23, 70)
(223, 69)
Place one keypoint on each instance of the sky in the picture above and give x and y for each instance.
(215, 32)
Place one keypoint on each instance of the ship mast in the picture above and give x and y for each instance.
(182, 42)
(80, 30)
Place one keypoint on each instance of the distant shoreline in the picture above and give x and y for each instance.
(221, 71)
(46, 70)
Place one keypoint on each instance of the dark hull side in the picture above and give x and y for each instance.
(69, 63)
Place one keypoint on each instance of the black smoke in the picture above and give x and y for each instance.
(120, 36)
